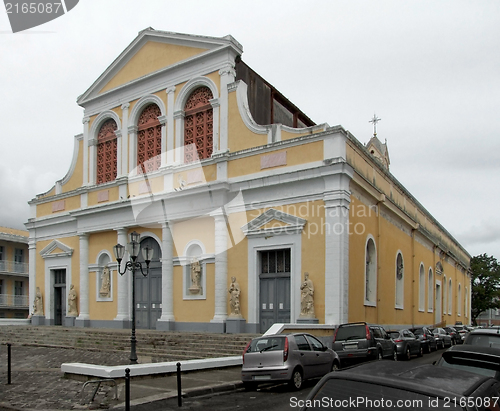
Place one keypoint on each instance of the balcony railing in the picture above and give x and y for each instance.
(13, 267)
(14, 301)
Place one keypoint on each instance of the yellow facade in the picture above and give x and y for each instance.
(267, 205)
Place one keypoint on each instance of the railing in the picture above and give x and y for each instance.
(14, 301)
(9, 266)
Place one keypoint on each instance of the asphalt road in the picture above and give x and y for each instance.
(270, 397)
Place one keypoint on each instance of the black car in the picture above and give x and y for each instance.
(426, 338)
(454, 334)
(485, 337)
(360, 341)
(399, 386)
(407, 343)
(473, 358)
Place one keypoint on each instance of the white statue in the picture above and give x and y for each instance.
(72, 310)
(307, 297)
(234, 299)
(105, 290)
(38, 303)
(195, 276)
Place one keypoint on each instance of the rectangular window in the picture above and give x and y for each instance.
(18, 260)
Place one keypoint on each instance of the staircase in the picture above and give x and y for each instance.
(160, 346)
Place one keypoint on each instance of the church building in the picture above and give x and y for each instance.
(253, 213)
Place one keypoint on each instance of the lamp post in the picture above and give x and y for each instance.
(133, 248)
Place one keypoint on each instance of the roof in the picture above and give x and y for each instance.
(14, 235)
(427, 379)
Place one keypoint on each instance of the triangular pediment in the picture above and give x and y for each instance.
(151, 53)
(56, 249)
(274, 222)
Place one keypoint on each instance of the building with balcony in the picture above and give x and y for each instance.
(240, 195)
(14, 274)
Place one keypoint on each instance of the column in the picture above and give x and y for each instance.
(32, 271)
(83, 320)
(123, 308)
(85, 122)
(227, 76)
(124, 141)
(167, 320)
(179, 136)
(218, 322)
(170, 124)
(336, 229)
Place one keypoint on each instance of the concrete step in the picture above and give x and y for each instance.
(166, 346)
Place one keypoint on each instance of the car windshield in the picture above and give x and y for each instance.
(267, 344)
(347, 395)
(393, 334)
(351, 332)
(418, 331)
(484, 340)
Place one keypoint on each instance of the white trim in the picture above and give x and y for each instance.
(402, 283)
(421, 287)
(46, 252)
(430, 287)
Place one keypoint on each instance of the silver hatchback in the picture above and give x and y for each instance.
(286, 357)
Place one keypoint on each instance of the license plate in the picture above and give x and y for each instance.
(348, 347)
(261, 377)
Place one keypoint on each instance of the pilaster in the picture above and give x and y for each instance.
(123, 308)
(220, 273)
(83, 319)
(123, 159)
(167, 319)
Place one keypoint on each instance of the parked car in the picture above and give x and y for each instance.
(456, 338)
(486, 337)
(286, 357)
(473, 358)
(443, 339)
(407, 343)
(397, 385)
(463, 330)
(426, 338)
(360, 341)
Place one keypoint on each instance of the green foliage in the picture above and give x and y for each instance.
(485, 284)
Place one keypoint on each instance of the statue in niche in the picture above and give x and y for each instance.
(105, 290)
(195, 276)
(307, 297)
(38, 303)
(234, 299)
(72, 310)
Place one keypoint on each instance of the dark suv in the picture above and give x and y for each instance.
(426, 337)
(360, 341)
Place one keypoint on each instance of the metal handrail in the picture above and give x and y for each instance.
(11, 300)
(14, 267)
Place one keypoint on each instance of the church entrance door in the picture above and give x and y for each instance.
(59, 296)
(148, 289)
(274, 287)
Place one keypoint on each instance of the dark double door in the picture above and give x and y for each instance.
(274, 288)
(59, 296)
(148, 289)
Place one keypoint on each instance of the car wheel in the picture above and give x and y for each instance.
(408, 354)
(395, 355)
(428, 349)
(249, 386)
(296, 381)
(335, 366)
(421, 351)
(380, 356)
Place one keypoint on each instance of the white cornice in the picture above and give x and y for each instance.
(65, 250)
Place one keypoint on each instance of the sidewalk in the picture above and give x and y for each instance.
(37, 382)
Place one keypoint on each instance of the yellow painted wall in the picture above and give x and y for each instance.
(76, 179)
(194, 310)
(237, 266)
(92, 198)
(202, 229)
(70, 203)
(294, 156)
(153, 56)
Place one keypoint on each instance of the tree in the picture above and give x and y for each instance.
(485, 284)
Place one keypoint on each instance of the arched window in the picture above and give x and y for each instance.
(450, 298)
(370, 273)
(198, 125)
(421, 288)
(399, 281)
(106, 152)
(459, 300)
(430, 291)
(149, 140)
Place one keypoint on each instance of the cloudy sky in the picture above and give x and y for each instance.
(429, 69)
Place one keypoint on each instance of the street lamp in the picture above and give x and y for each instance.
(133, 248)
